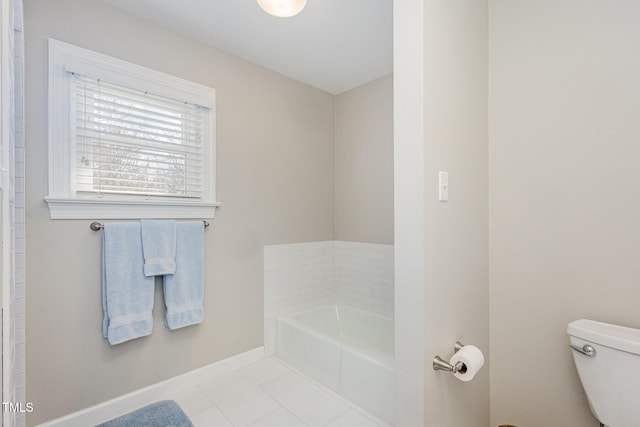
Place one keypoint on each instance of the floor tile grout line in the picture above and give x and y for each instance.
(349, 405)
(338, 416)
(213, 405)
(275, 360)
(225, 416)
(253, 385)
(280, 405)
(334, 394)
(285, 409)
(259, 386)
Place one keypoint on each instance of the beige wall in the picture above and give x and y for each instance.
(456, 232)
(364, 163)
(275, 180)
(565, 212)
(442, 279)
(563, 134)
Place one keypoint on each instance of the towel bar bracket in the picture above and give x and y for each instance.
(97, 226)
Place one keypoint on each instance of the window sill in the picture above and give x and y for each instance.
(63, 208)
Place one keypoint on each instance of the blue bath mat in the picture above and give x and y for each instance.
(166, 413)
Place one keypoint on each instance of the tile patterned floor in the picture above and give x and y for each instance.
(269, 394)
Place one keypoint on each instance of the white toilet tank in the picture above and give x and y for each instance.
(611, 375)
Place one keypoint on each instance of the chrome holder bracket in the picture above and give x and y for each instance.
(440, 364)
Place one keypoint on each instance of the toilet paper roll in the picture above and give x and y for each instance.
(473, 360)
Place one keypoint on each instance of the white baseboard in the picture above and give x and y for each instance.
(131, 401)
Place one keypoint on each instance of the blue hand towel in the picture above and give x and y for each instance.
(159, 247)
(183, 290)
(127, 295)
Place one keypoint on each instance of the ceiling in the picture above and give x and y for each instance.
(333, 45)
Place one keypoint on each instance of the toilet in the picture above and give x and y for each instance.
(607, 358)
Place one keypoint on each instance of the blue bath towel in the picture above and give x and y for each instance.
(159, 247)
(127, 295)
(183, 290)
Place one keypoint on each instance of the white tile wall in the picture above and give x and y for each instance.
(19, 217)
(364, 276)
(19, 267)
(303, 275)
(296, 277)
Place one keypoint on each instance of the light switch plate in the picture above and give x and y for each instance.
(443, 189)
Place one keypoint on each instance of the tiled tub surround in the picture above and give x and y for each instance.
(316, 294)
(300, 276)
(346, 349)
(296, 277)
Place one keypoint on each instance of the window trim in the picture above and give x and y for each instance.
(63, 204)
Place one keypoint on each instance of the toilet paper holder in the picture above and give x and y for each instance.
(440, 364)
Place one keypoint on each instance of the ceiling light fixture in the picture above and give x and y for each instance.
(282, 8)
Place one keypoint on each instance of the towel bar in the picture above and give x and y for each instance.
(96, 226)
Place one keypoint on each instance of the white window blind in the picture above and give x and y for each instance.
(129, 142)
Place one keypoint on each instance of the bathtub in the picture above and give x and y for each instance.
(351, 351)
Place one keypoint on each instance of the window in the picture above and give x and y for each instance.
(126, 141)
